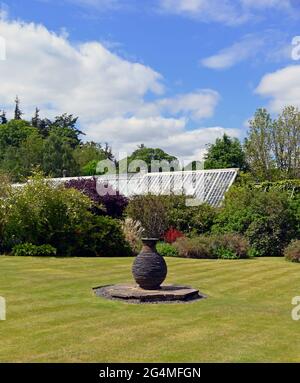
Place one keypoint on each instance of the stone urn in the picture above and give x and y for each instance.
(149, 268)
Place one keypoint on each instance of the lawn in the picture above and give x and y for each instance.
(52, 315)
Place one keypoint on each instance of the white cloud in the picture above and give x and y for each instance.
(282, 86)
(169, 134)
(271, 45)
(197, 105)
(107, 92)
(224, 11)
(234, 54)
(206, 10)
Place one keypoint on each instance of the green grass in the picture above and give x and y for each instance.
(52, 315)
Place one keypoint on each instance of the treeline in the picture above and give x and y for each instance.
(270, 152)
(54, 146)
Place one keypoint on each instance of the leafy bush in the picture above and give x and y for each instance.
(40, 213)
(99, 237)
(112, 203)
(30, 250)
(189, 219)
(172, 235)
(133, 233)
(167, 250)
(226, 246)
(151, 211)
(292, 251)
(265, 218)
(230, 246)
(196, 247)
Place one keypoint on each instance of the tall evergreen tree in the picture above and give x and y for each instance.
(35, 121)
(18, 113)
(3, 119)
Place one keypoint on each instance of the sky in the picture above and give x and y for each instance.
(174, 74)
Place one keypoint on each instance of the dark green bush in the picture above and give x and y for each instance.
(224, 246)
(190, 219)
(99, 237)
(265, 218)
(167, 250)
(41, 213)
(292, 251)
(30, 250)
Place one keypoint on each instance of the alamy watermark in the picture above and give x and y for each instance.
(296, 309)
(296, 48)
(2, 309)
(160, 177)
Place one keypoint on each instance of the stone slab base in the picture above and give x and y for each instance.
(134, 294)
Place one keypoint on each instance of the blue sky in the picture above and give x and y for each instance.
(169, 73)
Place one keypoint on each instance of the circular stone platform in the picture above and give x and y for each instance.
(134, 294)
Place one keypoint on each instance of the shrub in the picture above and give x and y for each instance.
(265, 218)
(30, 250)
(190, 219)
(112, 203)
(172, 235)
(133, 232)
(226, 246)
(40, 213)
(167, 250)
(158, 213)
(292, 251)
(230, 246)
(196, 247)
(98, 237)
(151, 211)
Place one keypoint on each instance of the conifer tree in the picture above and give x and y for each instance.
(35, 121)
(18, 113)
(3, 119)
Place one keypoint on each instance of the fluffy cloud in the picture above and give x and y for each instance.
(107, 92)
(282, 86)
(169, 134)
(197, 105)
(224, 11)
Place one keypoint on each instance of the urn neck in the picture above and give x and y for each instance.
(149, 245)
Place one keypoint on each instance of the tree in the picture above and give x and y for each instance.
(65, 127)
(18, 113)
(44, 127)
(3, 119)
(273, 146)
(285, 141)
(151, 157)
(225, 153)
(14, 133)
(58, 157)
(258, 145)
(31, 154)
(35, 121)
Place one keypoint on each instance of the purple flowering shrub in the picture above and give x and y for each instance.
(113, 202)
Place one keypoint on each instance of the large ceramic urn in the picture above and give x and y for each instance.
(149, 268)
